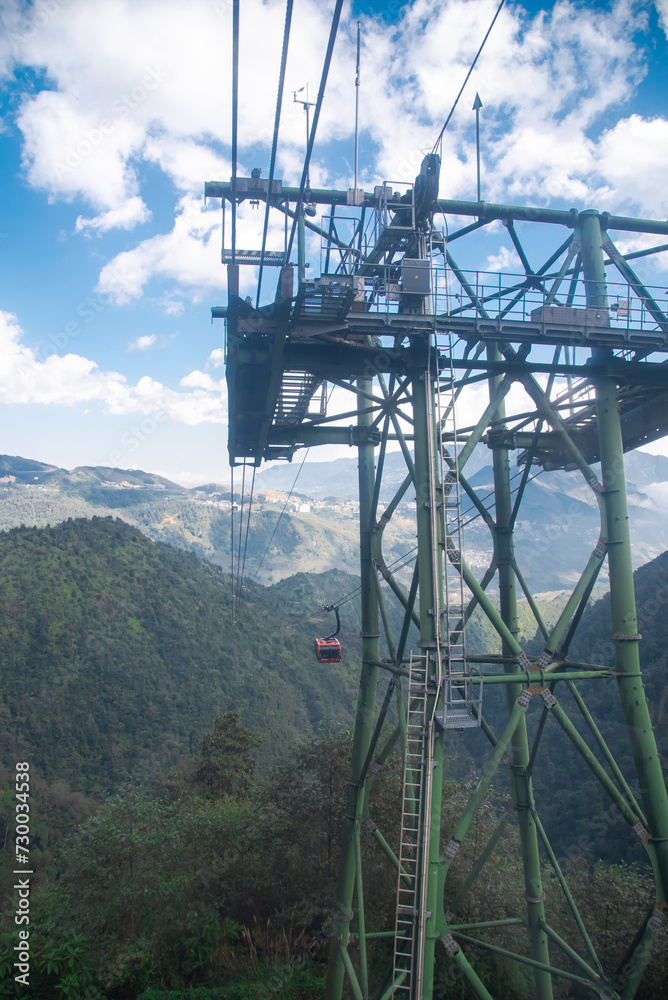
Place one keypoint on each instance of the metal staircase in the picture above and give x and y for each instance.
(414, 846)
(463, 685)
(294, 397)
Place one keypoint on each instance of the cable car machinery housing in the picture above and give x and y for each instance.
(394, 320)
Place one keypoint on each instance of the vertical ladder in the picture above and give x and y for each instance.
(411, 913)
(463, 685)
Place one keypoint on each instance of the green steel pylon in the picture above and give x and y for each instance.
(346, 328)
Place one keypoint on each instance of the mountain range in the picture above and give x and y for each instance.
(311, 525)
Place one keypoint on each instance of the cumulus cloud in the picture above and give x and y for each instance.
(662, 11)
(505, 260)
(127, 216)
(189, 255)
(138, 85)
(217, 358)
(143, 343)
(200, 380)
(69, 379)
(186, 162)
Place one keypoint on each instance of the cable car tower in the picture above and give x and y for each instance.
(396, 321)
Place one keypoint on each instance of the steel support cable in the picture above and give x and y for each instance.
(235, 603)
(393, 565)
(272, 161)
(314, 127)
(353, 593)
(282, 512)
(235, 120)
(488, 495)
(232, 532)
(447, 120)
(243, 563)
(288, 499)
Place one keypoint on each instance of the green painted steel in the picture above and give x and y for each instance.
(623, 611)
(357, 351)
(342, 913)
(428, 492)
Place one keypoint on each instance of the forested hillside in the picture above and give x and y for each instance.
(144, 699)
(128, 649)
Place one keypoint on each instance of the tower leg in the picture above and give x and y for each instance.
(520, 778)
(364, 718)
(429, 496)
(625, 626)
(620, 568)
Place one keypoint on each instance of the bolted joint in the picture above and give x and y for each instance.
(544, 659)
(524, 699)
(601, 548)
(596, 486)
(451, 849)
(548, 698)
(383, 570)
(450, 945)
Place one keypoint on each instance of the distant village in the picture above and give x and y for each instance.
(296, 505)
(220, 499)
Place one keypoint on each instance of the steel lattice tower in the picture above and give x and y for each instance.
(396, 321)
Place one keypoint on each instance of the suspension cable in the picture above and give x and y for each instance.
(235, 120)
(353, 593)
(235, 602)
(452, 111)
(243, 562)
(316, 115)
(272, 162)
(282, 513)
(232, 529)
(292, 488)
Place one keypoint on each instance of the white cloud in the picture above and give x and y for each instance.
(505, 260)
(143, 343)
(69, 379)
(189, 255)
(130, 214)
(137, 84)
(200, 380)
(217, 358)
(70, 153)
(186, 162)
(637, 149)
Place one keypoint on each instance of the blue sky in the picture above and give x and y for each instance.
(114, 114)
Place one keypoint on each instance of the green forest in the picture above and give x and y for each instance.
(188, 772)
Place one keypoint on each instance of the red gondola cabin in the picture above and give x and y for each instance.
(328, 650)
